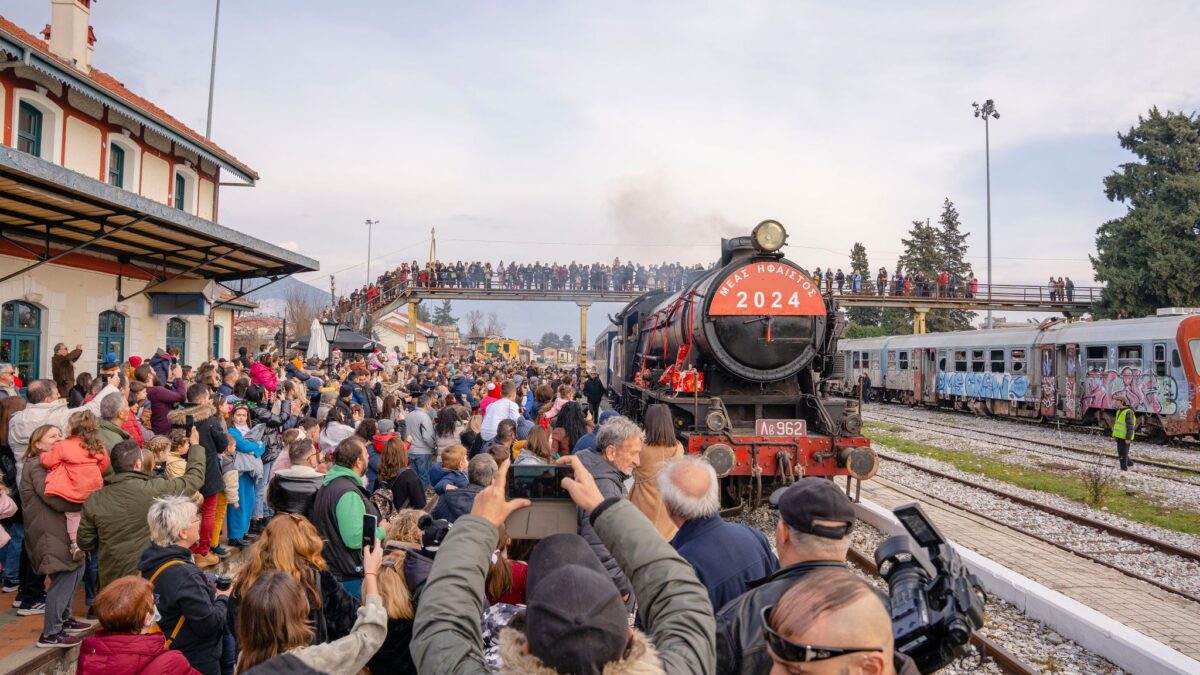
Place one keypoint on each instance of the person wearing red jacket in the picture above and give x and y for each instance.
(126, 612)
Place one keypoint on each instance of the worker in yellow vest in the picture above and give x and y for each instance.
(1123, 427)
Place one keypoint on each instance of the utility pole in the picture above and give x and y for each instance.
(988, 111)
(212, 73)
(370, 223)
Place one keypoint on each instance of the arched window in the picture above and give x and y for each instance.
(216, 345)
(29, 129)
(38, 122)
(183, 193)
(177, 337)
(111, 337)
(21, 338)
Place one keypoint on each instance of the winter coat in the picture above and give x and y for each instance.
(46, 539)
(214, 439)
(111, 434)
(292, 490)
(63, 369)
(160, 363)
(727, 556)
(645, 495)
(441, 477)
(456, 503)
(162, 400)
(394, 657)
(22, 424)
(183, 590)
(105, 653)
(593, 390)
(611, 483)
(679, 620)
(264, 376)
(114, 517)
(75, 472)
(348, 655)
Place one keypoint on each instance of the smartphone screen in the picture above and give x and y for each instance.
(188, 424)
(538, 481)
(370, 522)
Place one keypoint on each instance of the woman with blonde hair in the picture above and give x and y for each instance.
(405, 531)
(660, 446)
(394, 655)
(290, 544)
(274, 620)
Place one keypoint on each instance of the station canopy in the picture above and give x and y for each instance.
(49, 213)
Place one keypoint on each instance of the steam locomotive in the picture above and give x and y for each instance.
(742, 356)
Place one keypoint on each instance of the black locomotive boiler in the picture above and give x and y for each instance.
(742, 355)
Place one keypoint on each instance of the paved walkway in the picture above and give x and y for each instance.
(1156, 613)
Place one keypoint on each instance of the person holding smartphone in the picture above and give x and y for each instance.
(338, 511)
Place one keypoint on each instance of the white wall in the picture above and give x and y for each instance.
(156, 178)
(83, 148)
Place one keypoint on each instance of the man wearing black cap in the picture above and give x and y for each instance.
(575, 620)
(813, 532)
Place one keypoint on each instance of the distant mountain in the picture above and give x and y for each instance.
(272, 298)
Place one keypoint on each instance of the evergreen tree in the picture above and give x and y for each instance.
(863, 316)
(549, 340)
(952, 245)
(442, 315)
(423, 313)
(1146, 257)
(566, 342)
(922, 254)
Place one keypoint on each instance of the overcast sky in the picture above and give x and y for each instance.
(558, 131)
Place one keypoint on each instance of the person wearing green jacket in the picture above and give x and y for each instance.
(338, 511)
(575, 620)
(114, 517)
(1123, 429)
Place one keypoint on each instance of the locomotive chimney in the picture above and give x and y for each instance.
(70, 32)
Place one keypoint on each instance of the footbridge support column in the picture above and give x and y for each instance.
(583, 338)
(412, 328)
(919, 320)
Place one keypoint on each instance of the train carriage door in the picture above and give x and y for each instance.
(1048, 382)
(1070, 395)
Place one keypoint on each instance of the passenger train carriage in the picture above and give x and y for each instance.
(1067, 372)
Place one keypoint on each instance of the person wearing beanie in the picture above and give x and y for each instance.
(575, 619)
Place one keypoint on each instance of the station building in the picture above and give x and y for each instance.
(108, 213)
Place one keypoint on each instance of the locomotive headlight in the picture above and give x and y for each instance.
(768, 236)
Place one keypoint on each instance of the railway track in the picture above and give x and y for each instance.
(926, 426)
(1107, 528)
(987, 648)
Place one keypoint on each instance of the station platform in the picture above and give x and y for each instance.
(1156, 613)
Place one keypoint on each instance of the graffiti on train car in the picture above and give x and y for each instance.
(1144, 391)
(983, 385)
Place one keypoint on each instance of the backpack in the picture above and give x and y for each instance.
(382, 499)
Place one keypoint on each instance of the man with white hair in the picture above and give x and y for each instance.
(726, 556)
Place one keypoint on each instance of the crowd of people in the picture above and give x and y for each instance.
(942, 284)
(368, 496)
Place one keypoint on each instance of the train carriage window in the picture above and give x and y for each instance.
(1175, 362)
(891, 361)
(977, 364)
(873, 360)
(1097, 358)
(854, 361)
(1160, 360)
(960, 361)
(903, 360)
(1129, 356)
(1018, 360)
(997, 361)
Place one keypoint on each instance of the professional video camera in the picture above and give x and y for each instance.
(935, 603)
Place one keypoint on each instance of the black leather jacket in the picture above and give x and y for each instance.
(292, 494)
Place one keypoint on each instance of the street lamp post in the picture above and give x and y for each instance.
(369, 223)
(988, 111)
(330, 328)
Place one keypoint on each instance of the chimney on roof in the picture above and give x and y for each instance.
(70, 32)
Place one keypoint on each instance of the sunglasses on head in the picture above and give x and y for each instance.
(786, 650)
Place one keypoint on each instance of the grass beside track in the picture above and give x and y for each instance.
(1136, 507)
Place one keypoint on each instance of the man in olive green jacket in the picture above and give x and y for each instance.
(114, 517)
(680, 628)
(113, 411)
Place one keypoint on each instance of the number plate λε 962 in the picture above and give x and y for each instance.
(780, 428)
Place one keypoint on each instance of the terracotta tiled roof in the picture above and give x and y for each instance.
(112, 86)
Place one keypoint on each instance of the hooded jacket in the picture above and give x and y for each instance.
(160, 363)
(105, 653)
(611, 483)
(264, 376)
(678, 618)
(162, 401)
(293, 490)
(115, 515)
(183, 590)
(456, 503)
(214, 439)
